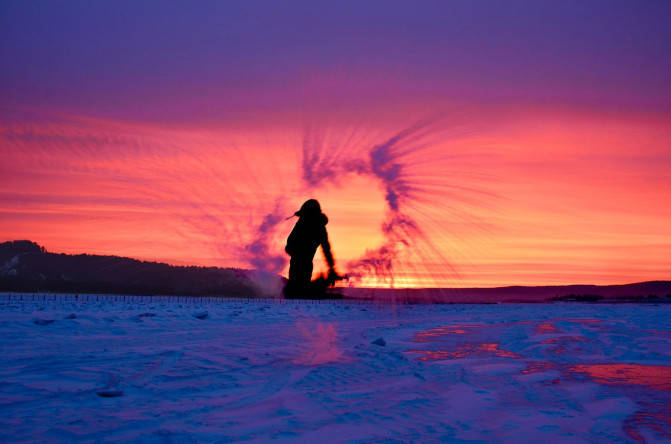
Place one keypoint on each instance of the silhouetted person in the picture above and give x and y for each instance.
(308, 234)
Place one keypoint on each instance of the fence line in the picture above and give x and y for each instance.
(10, 297)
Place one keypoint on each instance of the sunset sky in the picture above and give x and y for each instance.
(464, 143)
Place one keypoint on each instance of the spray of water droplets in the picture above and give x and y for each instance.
(401, 164)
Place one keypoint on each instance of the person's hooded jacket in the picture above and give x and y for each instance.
(309, 233)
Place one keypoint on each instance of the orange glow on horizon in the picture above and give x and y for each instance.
(539, 197)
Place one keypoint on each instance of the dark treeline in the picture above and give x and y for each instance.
(27, 267)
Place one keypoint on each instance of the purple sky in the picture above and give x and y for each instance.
(168, 60)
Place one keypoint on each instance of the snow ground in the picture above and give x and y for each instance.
(184, 370)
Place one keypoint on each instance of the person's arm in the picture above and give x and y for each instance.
(291, 242)
(326, 248)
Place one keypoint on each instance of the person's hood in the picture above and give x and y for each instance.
(311, 210)
(310, 218)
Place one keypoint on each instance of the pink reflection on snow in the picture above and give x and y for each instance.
(321, 343)
(538, 367)
(560, 344)
(545, 328)
(465, 351)
(653, 376)
(434, 333)
(560, 339)
(654, 416)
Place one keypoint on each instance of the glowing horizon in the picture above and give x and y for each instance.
(197, 197)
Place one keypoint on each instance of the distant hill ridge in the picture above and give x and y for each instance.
(26, 266)
(651, 291)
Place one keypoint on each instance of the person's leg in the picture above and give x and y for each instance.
(292, 282)
(300, 274)
(293, 271)
(306, 276)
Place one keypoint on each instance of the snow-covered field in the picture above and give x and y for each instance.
(181, 370)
